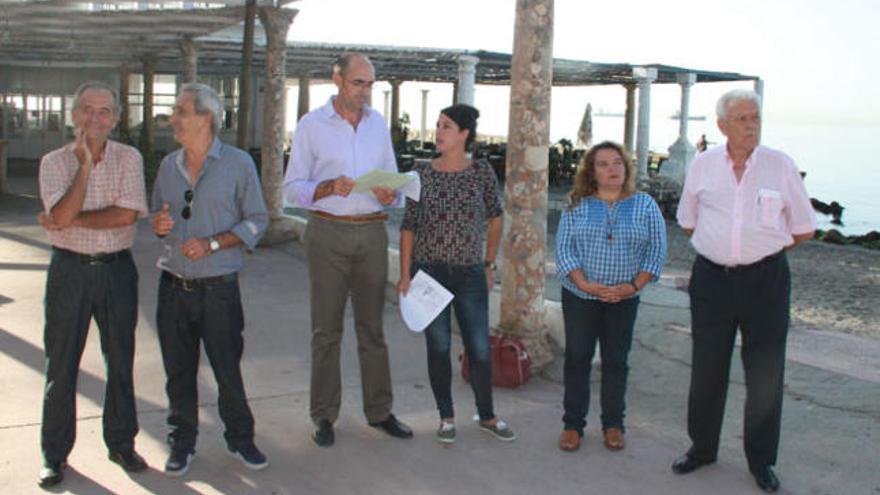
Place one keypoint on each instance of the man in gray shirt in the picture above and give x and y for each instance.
(207, 203)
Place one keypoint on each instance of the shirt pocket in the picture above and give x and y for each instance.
(770, 206)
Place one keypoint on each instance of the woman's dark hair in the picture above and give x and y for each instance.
(585, 180)
(465, 116)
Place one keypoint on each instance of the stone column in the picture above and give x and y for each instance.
(302, 103)
(467, 73)
(190, 59)
(276, 21)
(146, 138)
(524, 241)
(245, 78)
(629, 119)
(759, 88)
(395, 103)
(387, 107)
(454, 93)
(682, 151)
(123, 127)
(423, 132)
(644, 77)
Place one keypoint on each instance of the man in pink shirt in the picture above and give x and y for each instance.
(743, 205)
(93, 193)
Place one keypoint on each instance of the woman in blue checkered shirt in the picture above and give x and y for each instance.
(611, 242)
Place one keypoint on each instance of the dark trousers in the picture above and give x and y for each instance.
(754, 299)
(471, 303)
(185, 318)
(348, 259)
(76, 291)
(586, 322)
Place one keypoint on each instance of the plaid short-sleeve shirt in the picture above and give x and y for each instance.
(118, 180)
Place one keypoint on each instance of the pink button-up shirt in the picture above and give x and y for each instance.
(117, 180)
(741, 223)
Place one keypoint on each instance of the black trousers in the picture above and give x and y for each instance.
(77, 290)
(755, 300)
(186, 317)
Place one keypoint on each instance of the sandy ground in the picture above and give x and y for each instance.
(834, 288)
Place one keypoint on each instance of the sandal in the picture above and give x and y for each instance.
(569, 441)
(614, 439)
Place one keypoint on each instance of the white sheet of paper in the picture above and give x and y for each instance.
(424, 300)
(413, 190)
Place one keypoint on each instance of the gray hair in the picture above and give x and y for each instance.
(98, 85)
(340, 65)
(735, 95)
(206, 101)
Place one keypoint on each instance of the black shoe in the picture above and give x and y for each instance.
(393, 427)
(178, 462)
(766, 479)
(323, 435)
(249, 455)
(688, 462)
(129, 460)
(51, 474)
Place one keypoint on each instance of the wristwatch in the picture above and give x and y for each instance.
(215, 245)
(490, 265)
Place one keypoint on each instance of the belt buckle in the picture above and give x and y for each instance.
(93, 260)
(188, 285)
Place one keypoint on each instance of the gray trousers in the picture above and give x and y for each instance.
(348, 259)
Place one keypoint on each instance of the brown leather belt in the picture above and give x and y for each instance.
(369, 217)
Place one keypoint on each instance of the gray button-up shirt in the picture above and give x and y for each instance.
(226, 197)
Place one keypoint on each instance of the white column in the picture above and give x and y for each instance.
(682, 151)
(467, 72)
(644, 77)
(759, 88)
(424, 129)
(387, 94)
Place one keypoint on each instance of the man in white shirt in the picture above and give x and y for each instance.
(346, 242)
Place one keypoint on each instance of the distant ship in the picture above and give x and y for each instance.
(677, 116)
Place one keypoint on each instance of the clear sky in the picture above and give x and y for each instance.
(818, 57)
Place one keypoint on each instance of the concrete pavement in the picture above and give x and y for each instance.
(831, 424)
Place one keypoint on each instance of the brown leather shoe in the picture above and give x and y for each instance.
(569, 441)
(614, 439)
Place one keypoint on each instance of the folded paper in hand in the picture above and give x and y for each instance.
(424, 300)
(407, 183)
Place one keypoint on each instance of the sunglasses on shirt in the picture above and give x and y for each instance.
(187, 210)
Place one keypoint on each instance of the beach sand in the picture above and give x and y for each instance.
(834, 288)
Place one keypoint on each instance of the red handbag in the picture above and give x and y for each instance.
(510, 362)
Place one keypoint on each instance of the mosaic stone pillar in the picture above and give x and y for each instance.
(629, 119)
(245, 77)
(276, 21)
(644, 77)
(682, 151)
(190, 59)
(302, 103)
(524, 241)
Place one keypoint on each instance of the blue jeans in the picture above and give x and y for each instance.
(587, 321)
(185, 319)
(76, 291)
(471, 303)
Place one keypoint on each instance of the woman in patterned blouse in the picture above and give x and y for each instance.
(611, 242)
(442, 235)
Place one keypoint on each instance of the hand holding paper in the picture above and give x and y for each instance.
(423, 301)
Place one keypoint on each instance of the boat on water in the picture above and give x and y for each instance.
(677, 116)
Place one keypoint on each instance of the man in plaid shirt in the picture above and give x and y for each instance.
(92, 192)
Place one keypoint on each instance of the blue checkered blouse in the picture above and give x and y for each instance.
(610, 244)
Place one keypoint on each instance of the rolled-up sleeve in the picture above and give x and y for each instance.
(688, 205)
(299, 185)
(799, 211)
(133, 194)
(53, 179)
(655, 254)
(566, 251)
(254, 216)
